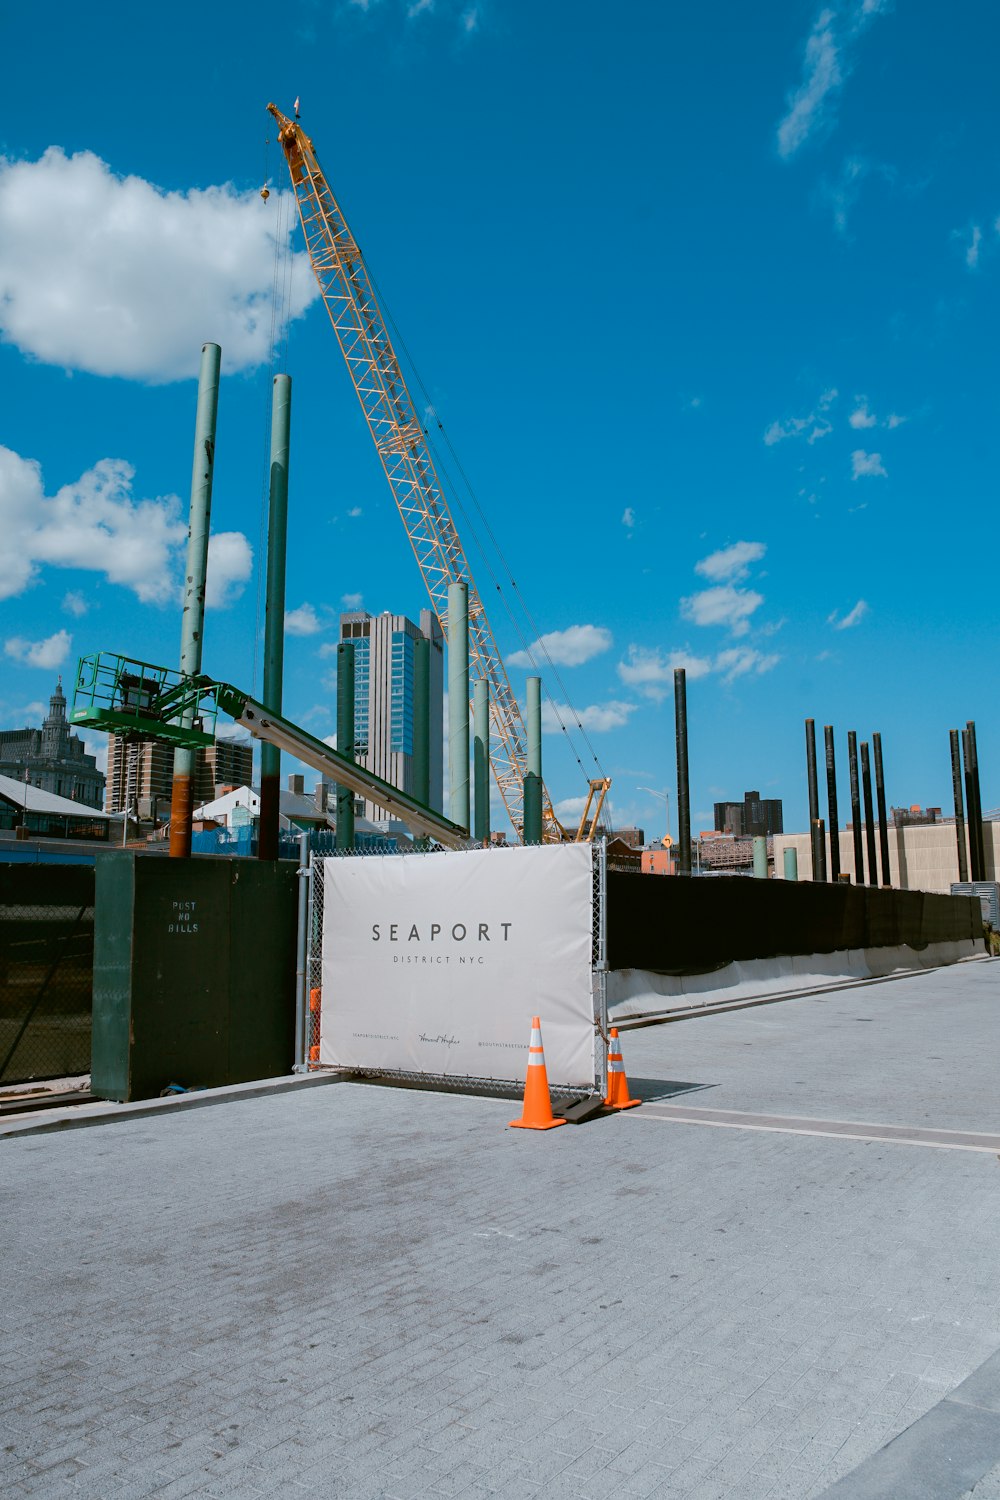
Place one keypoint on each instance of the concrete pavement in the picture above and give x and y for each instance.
(354, 1290)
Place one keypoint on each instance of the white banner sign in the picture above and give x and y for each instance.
(436, 963)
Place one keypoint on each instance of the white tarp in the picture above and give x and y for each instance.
(436, 963)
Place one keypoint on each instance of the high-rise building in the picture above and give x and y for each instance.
(52, 758)
(142, 772)
(383, 698)
(755, 816)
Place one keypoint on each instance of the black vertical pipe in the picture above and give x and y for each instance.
(980, 837)
(831, 797)
(817, 843)
(970, 803)
(852, 758)
(883, 826)
(956, 786)
(866, 789)
(683, 784)
(818, 851)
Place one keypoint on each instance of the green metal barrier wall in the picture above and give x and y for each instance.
(194, 973)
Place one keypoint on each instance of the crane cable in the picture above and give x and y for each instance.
(442, 468)
(401, 344)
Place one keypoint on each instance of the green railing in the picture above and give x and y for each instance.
(129, 697)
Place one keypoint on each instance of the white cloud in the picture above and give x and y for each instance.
(570, 807)
(93, 523)
(972, 250)
(329, 648)
(50, 653)
(74, 603)
(565, 648)
(651, 672)
(724, 605)
(354, 512)
(813, 427)
(351, 601)
(628, 518)
(467, 17)
(596, 717)
(821, 74)
(843, 192)
(740, 660)
(318, 711)
(826, 64)
(98, 748)
(731, 562)
(115, 276)
(867, 465)
(230, 565)
(863, 417)
(778, 431)
(852, 618)
(238, 734)
(96, 525)
(303, 621)
(331, 740)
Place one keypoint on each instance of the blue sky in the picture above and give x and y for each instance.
(706, 303)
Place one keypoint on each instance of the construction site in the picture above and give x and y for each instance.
(329, 1038)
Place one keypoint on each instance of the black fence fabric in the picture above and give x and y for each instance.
(674, 925)
(46, 970)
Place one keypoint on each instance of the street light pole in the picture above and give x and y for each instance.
(666, 797)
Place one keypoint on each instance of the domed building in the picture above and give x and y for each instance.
(52, 758)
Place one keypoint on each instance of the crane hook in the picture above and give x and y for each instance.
(265, 193)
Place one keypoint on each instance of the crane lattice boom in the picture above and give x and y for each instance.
(402, 446)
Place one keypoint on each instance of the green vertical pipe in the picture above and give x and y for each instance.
(481, 759)
(195, 572)
(274, 612)
(345, 740)
(791, 858)
(458, 703)
(759, 857)
(533, 778)
(422, 720)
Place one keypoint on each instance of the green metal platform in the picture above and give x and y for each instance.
(135, 698)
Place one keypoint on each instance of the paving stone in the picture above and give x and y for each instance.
(319, 1287)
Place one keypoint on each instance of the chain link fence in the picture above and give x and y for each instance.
(314, 960)
(46, 971)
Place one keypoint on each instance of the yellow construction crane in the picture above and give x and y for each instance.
(404, 452)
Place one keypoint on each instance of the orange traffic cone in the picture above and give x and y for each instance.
(315, 1006)
(617, 1082)
(537, 1111)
